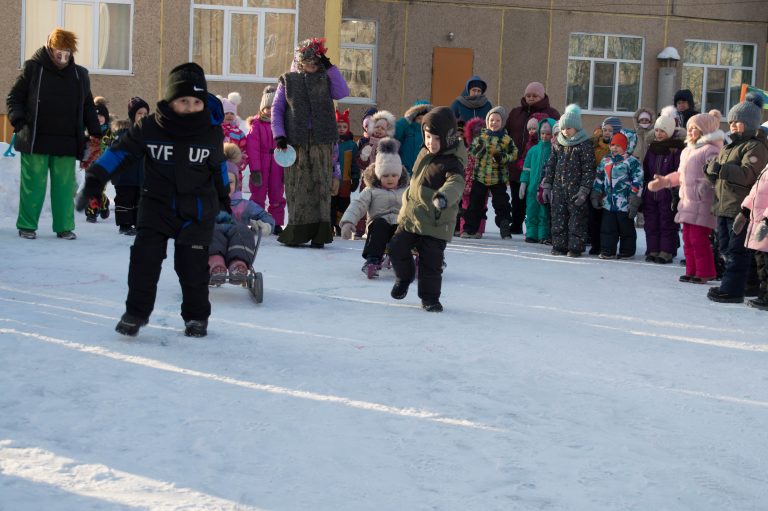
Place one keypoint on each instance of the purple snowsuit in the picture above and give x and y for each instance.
(661, 231)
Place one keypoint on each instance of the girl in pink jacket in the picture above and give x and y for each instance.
(266, 175)
(755, 211)
(704, 141)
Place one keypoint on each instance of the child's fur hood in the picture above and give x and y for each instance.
(387, 116)
(416, 110)
(636, 118)
(120, 124)
(370, 178)
(469, 127)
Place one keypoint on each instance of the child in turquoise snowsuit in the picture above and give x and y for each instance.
(536, 215)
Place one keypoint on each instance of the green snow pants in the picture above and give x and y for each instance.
(34, 180)
(536, 217)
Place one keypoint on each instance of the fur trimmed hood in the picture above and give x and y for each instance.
(419, 108)
(636, 118)
(387, 116)
(370, 178)
(472, 124)
(710, 138)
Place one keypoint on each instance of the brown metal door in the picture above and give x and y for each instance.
(451, 68)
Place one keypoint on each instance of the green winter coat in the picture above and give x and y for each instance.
(432, 174)
(740, 164)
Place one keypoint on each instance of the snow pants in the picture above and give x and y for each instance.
(430, 261)
(661, 231)
(699, 260)
(34, 180)
(536, 217)
(127, 205)
(233, 242)
(738, 258)
(191, 265)
(617, 227)
(379, 233)
(477, 200)
(569, 222)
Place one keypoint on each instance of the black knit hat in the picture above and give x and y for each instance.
(101, 109)
(134, 105)
(440, 121)
(186, 80)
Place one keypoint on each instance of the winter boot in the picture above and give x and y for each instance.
(217, 270)
(196, 328)
(104, 209)
(66, 235)
(651, 258)
(716, 295)
(761, 302)
(129, 325)
(664, 258)
(400, 289)
(432, 305)
(371, 267)
(505, 229)
(238, 273)
(27, 234)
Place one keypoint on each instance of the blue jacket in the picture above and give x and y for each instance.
(408, 133)
(465, 108)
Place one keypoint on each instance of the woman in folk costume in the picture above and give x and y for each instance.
(303, 115)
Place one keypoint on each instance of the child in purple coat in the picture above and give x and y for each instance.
(661, 158)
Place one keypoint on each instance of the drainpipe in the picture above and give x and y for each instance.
(665, 92)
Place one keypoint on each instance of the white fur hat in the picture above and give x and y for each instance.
(388, 117)
(666, 121)
(387, 159)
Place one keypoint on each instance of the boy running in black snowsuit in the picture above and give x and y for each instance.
(185, 185)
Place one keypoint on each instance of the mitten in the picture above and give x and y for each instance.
(18, 124)
(580, 197)
(546, 193)
(596, 198)
(740, 221)
(440, 201)
(347, 230)
(91, 190)
(762, 231)
(281, 143)
(523, 187)
(325, 61)
(713, 170)
(635, 201)
(658, 183)
(498, 157)
(365, 153)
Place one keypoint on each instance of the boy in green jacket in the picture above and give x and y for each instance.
(430, 206)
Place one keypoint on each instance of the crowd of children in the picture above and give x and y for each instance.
(421, 180)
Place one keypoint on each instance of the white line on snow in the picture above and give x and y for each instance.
(273, 389)
(720, 343)
(169, 315)
(101, 482)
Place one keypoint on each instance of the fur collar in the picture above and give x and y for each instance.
(709, 138)
(416, 110)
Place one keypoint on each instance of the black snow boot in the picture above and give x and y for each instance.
(432, 305)
(129, 325)
(400, 289)
(196, 328)
(505, 229)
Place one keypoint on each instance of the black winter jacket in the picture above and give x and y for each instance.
(50, 108)
(185, 175)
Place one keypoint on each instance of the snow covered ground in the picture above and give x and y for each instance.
(548, 383)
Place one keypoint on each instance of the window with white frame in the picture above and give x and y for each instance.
(244, 38)
(714, 71)
(103, 29)
(605, 72)
(357, 59)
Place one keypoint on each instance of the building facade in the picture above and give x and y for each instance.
(394, 52)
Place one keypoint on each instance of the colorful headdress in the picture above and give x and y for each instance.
(310, 49)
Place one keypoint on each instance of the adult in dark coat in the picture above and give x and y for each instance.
(686, 107)
(50, 105)
(534, 100)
